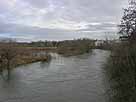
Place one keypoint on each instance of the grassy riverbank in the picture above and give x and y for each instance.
(121, 73)
(72, 51)
(75, 47)
(12, 55)
(30, 59)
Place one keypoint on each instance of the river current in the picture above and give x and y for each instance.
(63, 79)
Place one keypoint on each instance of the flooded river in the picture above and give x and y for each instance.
(63, 79)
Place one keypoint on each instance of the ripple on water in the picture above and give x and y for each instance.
(72, 79)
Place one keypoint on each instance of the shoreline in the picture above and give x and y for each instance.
(29, 60)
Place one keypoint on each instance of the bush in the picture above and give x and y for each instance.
(121, 73)
(75, 47)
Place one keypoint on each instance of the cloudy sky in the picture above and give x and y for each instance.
(29, 20)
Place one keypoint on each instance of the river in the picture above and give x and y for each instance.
(63, 79)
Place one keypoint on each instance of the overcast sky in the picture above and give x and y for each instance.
(29, 20)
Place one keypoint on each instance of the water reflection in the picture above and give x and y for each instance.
(63, 79)
(44, 64)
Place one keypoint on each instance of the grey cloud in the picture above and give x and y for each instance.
(88, 11)
(82, 10)
(38, 3)
(102, 27)
(35, 33)
(28, 33)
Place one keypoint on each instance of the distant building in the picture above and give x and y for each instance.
(99, 42)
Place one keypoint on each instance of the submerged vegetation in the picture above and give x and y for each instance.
(12, 55)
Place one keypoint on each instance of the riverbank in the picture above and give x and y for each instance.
(75, 47)
(32, 54)
(12, 56)
(32, 59)
(72, 51)
(120, 71)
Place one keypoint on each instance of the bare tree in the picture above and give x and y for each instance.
(128, 22)
(8, 53)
